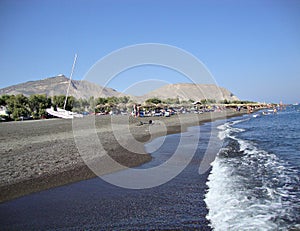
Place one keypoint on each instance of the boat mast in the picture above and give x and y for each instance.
(70, 81)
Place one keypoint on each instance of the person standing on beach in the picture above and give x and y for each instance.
(134, 110)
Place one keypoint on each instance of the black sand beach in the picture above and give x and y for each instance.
(95, 204)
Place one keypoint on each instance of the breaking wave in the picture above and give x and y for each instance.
(250, 188)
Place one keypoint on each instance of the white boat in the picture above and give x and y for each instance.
(63, 113)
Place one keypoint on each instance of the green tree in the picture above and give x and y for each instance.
(208, 101)
(3, 100)
(18, 106)
(203, 101)
(153, 100)
(124, 99)
(172, 101)
(83, 103)
(112, 100)
(80, 105)
(19, 113)
(225, 101)
(59, 101)
(92, 103)
(101, 100)
(38, 105)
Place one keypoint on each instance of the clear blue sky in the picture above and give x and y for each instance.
(251, 47)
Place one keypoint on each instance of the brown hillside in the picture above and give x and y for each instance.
(186, 91)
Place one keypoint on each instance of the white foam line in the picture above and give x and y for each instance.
(230, 206)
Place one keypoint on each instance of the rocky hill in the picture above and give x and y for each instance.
(186, 91)
(83, 89)
(58, 86)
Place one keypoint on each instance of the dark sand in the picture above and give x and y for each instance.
(96, 205)
(38, 155)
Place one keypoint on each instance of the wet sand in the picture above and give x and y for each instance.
(38, 155)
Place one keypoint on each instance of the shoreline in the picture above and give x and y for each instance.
(51, 145)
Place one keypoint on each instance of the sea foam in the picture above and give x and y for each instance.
(248, 187)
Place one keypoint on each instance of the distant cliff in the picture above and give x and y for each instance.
(186, 91)
(58, 86)
(83, 89)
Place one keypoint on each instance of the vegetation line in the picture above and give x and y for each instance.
(19, 107)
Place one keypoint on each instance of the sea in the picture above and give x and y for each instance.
(254, 183)
(248, 180)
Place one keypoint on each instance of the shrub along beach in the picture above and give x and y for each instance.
(20, 107)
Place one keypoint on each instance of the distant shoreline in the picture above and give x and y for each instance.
(42, 155)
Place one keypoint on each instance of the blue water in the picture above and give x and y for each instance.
(254, 183)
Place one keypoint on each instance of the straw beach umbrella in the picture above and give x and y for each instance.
(148, 105)
(160, 105)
